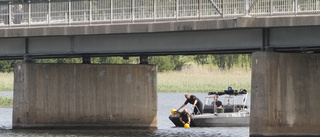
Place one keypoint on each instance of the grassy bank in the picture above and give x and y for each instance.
(5, 102)
(6, 81)
(193, 78)
(196, 78)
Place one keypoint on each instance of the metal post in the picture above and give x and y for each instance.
(154, 10)
(69, 9)
(132, 10)
(223, 8)
(90, 11)
(177, 9)
(296, 6)
(271, 7)
(246, 8)
(10, 13)
(199, 9)
(29, 13)
(49, 12)
(111, 11)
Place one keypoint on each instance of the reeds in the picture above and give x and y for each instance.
(192, 78)
(196, 78)
(5, 102)
(6, 81)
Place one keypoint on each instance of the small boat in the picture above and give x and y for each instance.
(231, 115)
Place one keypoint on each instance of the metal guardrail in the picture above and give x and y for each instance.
(113, 11)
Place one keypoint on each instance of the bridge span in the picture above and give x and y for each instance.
(282, 36)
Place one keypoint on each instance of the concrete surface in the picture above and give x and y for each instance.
(285, 94)
(163, 26)
(85, 96)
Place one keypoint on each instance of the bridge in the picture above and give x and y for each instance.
(280, 34)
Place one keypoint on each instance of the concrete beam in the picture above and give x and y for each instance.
(285, 94)
(85, 95)
(165, 26)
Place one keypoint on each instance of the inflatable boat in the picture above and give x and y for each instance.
(232, 114)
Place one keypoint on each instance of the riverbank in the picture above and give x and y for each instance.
(6, 81)
(192, 78)
(6, 102)
(200, 78)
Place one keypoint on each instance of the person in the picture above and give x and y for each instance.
(185, 117)
(5, 14)
(218, 103)
(18, 15)
(195, 102)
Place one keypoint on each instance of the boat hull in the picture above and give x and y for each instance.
(216, 120)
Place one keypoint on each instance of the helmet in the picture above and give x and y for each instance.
(186, 125)
(173, 111)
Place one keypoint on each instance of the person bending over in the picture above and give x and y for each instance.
(195, 102)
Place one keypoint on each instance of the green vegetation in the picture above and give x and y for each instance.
(198, 73)
(5, 102)
(199, 78)
(6, 81)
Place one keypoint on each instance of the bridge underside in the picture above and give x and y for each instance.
(183, 39)
(285, 94)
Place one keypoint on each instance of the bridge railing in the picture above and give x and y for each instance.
(113, 11)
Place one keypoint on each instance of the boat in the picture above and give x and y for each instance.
(231, 115)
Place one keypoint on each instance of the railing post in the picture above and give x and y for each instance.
(246, 8)
(199, 9)
(49, 11)
(29, 14)
(271, 5)
(296, 6)
(177, 9)
(132, 10)
(10, 14)
(69, 10)
(223, 8)
(111, 11)
(90, 11)
(154, 10)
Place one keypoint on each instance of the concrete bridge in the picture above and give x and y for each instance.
(281, 34)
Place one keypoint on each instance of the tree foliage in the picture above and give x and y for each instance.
(164, 63)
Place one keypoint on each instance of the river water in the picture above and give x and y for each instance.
(166, 102)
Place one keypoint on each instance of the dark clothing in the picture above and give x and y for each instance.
(185, 117)
(218, 103)
(17, 16)
(199, 104)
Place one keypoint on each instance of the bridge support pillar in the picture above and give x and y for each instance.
(285, 94)
(85, 96)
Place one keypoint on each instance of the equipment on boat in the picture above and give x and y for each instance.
(231, 115)
(186, 125)
(173, 111)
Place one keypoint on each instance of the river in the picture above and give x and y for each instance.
(166, 102)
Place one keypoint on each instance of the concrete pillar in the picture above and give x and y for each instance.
(285, 94)
(85, 95)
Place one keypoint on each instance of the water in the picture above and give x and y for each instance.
(166, 102)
